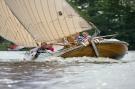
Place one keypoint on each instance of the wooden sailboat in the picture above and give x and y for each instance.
(28, 23)
(111, 49)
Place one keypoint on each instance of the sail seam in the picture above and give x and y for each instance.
(34, 16)
(6, 21)
(22, 17)
(71, 16)
(22, 25)
(21, 5)
(65, 18)
(41, 20)
(46, 18)
(41, 31)
(58, 17)
(17, 33)
(24, 4)
(4, 31)
(52, 19)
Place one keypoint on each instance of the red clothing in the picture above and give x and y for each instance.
(47, 47)
(51, 49)
(13, 46)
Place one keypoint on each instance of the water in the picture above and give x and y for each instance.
(71, 73)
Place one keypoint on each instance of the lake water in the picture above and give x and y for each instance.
(71, 73)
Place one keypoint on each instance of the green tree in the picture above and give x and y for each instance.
(1, 39)
(110, 16)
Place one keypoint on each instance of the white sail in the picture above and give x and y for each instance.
(11, 29)
(44, 20)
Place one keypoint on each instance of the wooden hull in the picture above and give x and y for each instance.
(113, 50)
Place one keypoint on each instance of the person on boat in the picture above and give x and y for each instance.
(66, 43)
(49, 47)
(86, 36)
(69, 41)
(80, 39)
(35, 52)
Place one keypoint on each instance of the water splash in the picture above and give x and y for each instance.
(60, 61)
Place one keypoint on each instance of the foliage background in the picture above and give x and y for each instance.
(110, 16)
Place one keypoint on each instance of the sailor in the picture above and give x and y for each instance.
(49, 47)
(69, 41)
(86, 36)
(82, 40)
(35, 52)
(79, 39)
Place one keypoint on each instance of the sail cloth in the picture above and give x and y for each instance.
(11, 29)
(42, 20)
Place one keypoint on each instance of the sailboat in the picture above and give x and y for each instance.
(28, 23)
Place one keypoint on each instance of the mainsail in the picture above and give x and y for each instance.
(11, 29)
(41, 20)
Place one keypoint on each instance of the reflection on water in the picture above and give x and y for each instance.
(71, 73)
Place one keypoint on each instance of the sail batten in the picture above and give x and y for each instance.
(36, 21)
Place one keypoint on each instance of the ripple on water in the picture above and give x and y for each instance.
(69, 73)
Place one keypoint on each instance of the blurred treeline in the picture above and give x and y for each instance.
(110, 16)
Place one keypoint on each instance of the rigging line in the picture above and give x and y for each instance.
(14, 22)
(9, 26)
(41, 23)
(72, 16)
(35, 18)
(55, 7)
(20, 5)
(51, 18)
(24, 27)
(65, 17)
(45, 18)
